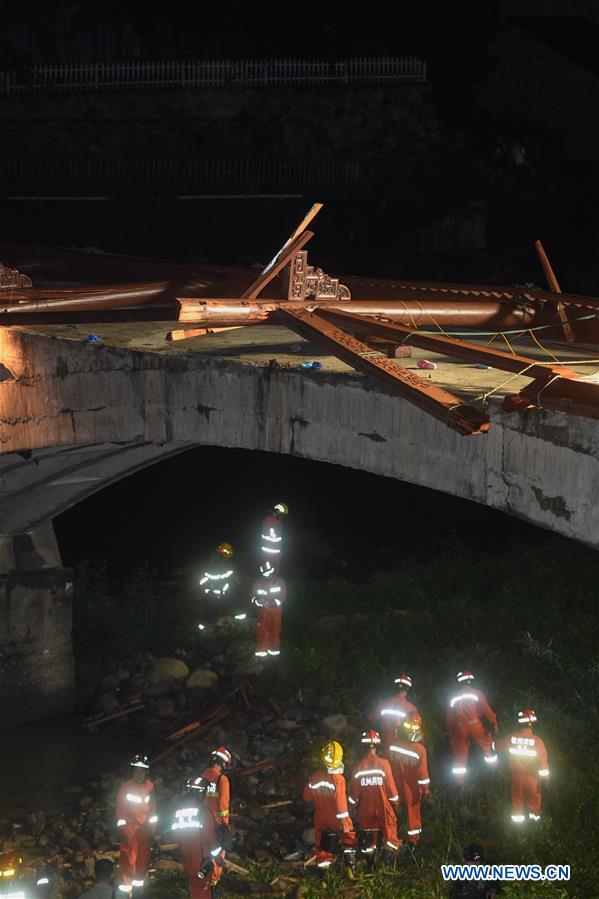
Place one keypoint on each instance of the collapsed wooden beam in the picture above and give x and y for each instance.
(573, 395)
(447, 346)
(554, 286)
(421, 392)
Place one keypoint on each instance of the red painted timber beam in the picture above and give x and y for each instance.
(438, 402)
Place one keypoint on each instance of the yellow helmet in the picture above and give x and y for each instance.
(10, 862)
(332, 754)
(225, 549)
(282, 509)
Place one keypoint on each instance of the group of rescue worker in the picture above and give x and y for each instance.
(391, 775)
(267, 594)
(198, 822)
(399, 776)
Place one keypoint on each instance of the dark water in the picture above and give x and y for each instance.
(39, 760)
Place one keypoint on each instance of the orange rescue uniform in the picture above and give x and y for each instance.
(269, 594)
(372, 790)
(328, 793)
(392, 712)
(136, 820)
(527, 758)
(271, 539)
(464, 724)
(217, 796)
(193, 829)
(410, 772)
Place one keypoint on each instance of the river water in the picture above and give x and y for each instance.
(39, 760)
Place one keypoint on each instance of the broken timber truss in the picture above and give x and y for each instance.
(320, 308)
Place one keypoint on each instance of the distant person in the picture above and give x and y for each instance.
(271, 536)
(500, 158)
(216, 583)
(469, 719)
(527, 757)
(136, 814)
(268, 595)
(103, 871)
(473, 889)
(520, 161)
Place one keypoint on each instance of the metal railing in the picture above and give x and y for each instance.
(182, 174)
(115, 76)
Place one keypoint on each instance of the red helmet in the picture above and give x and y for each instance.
(222, 756)
(527, 716)
(372, 737)
(464, 677)
(404, 680)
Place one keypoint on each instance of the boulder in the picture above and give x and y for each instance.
(202, 679)
(165, 707)
(335, 724)
(169, 668)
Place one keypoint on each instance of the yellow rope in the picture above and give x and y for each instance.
(540, 345)
(509, 346)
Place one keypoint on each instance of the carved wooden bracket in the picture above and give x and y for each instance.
(10, 277)
(307, 282)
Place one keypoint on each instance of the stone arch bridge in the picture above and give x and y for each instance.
(76, 417)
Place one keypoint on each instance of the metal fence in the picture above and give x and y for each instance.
(44, 172)
(211, 74)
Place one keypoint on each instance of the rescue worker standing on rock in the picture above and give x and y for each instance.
(409, 764)
(268, 595)
(136, 821)
(216, 582)
(271, 536)
(469, 717)
(192, 827)
(393, 711)
(332, 823)
(372, 790)
(218, 794)
(527, 758)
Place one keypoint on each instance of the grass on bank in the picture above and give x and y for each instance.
(525, 622)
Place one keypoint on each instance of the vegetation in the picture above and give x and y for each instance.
(525, 622)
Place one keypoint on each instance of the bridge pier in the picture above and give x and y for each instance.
(37, 671)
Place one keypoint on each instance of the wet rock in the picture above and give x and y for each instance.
(159, 688)
(202, 679)
(108, 703)
(286, 724)
(81, 845)
(308, 836)
(169, 668)
(335, 724)
(85, 802)
(165, 707)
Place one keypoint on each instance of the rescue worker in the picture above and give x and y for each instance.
(271, 536)
(217, 579)
(11, 880)
(192, 827)
(136, 821)
(219, 789)
(392, 711)
(268, 595)
(527, 758)
(372, 790)
(326, 789)
(469, 717)
(409, 765)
